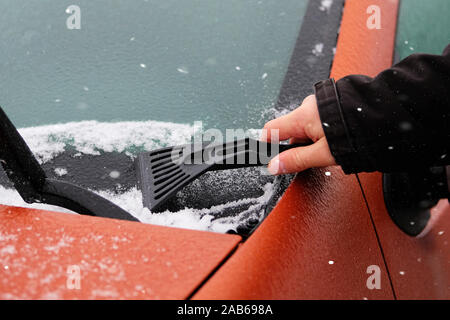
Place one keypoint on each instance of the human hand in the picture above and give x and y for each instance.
(301, 125)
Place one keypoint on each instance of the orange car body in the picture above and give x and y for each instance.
(319, 242)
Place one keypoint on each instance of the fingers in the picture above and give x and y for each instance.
(286, 125)
(299, 159)
(302, 124)
(292, 124)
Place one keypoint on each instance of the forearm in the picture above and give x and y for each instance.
(397, 121)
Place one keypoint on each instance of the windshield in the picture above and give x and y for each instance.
(422, 27)
(133, 76)
(222, 62)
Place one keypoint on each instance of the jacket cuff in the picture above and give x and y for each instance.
(334, 125)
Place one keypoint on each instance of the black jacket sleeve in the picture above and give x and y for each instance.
(397, 121)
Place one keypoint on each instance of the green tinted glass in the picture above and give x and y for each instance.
(222, 62)
(423, 26)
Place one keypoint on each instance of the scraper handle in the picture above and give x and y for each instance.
(247, 153)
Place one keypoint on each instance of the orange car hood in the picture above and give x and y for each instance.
(50, 255)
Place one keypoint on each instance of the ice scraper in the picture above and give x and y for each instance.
(160, 173)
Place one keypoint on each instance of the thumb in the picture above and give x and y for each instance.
(295, 160)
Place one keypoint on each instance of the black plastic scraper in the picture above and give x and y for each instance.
(163, 172)
(159, 173)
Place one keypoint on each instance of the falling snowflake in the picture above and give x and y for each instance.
(183, 70)
(114, 174)
(325, 5)
(318, 49)
(60, 171)
(405, 126)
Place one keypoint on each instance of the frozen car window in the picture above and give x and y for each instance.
(422, 27)
(222, 62)
(135, 77)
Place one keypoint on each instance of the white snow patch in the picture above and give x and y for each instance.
(51, 296)
(92, 137)
(7, 237)
(188, 218)
(183, 70)
(325, 5)
(104, 293)
(60, 171)
(131, 201)
(114, 174)
(131, 137)
(64, 241)
(10, 197)
(318, 49)
(9, 249)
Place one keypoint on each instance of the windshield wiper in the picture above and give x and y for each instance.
(31, 182)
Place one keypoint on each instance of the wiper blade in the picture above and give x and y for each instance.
(31, 182)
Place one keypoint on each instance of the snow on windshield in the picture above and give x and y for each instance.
(92, 138)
